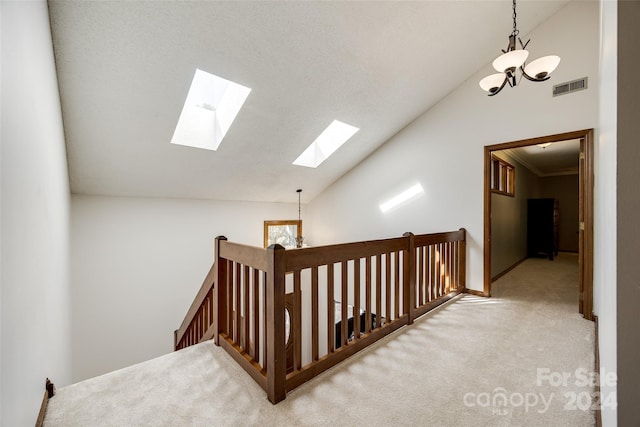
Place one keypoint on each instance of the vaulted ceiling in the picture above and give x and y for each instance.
(124, 70)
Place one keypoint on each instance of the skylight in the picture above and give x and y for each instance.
(336, 134)
(212, 105)
(402, 197)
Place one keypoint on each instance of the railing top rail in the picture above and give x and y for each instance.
(251, 256)
(322, 255)
(297, 259)
(207, 284)
(431, 239)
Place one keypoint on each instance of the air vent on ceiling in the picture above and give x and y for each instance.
(568, 87)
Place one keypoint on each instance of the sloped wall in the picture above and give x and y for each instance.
(443, 149)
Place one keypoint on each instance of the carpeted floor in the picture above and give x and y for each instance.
(519, 358)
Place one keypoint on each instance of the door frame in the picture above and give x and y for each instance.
(586, 178)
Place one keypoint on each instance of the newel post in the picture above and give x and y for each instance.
(219, 292)
(462, 285)
(276, 355)
(409, 280)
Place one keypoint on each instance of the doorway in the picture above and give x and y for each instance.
(585, 202)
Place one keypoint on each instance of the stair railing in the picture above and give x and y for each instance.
(274, 310)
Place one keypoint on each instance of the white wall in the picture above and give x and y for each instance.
(604, 281)
(35, 216)
(509, 218)
(443, 149)
(138, 263)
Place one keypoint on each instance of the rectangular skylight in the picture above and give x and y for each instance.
(401, 198)
(336, 134)
(211, 106)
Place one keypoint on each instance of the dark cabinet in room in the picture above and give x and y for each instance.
(543, 218)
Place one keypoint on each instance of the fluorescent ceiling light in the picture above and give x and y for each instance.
(211, 106)
(402, 197)
(336, 134)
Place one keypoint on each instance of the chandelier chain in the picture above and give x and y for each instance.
(515, 31)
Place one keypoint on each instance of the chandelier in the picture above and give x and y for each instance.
(513, 59)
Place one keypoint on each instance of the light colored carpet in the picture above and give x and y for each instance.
(446, 370)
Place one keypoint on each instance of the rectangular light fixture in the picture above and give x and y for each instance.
(211, 106)
(401, 198)
(336, 134)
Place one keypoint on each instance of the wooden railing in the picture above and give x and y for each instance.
(260, 294)
(196, 326)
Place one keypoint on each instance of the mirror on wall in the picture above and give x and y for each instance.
(282, 232)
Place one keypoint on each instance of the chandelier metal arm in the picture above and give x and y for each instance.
(506, 79)
(533, 79)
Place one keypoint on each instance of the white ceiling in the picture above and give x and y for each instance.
(559, 158)
(124, 70)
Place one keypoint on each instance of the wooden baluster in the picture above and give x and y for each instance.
(212, 312)
(434, 270)
(331, 307)
(458, 265)
(205, 306)
(427, 273)
(265, 354)
(219, 291)
(378, 290)
(229, 302)
(356, 298)
(230, 295)
(344, 304)
(454, 265)
(387, 287)
(446, 268)
(440, 270)
(246, 319)
(367, 294)
(200, 325)
(238, 311)
(445, 275)
(420, 261)
(296, 321)
(256, 315)
(409, 294)
(462, 275)
(314, 314)
(397, 285)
